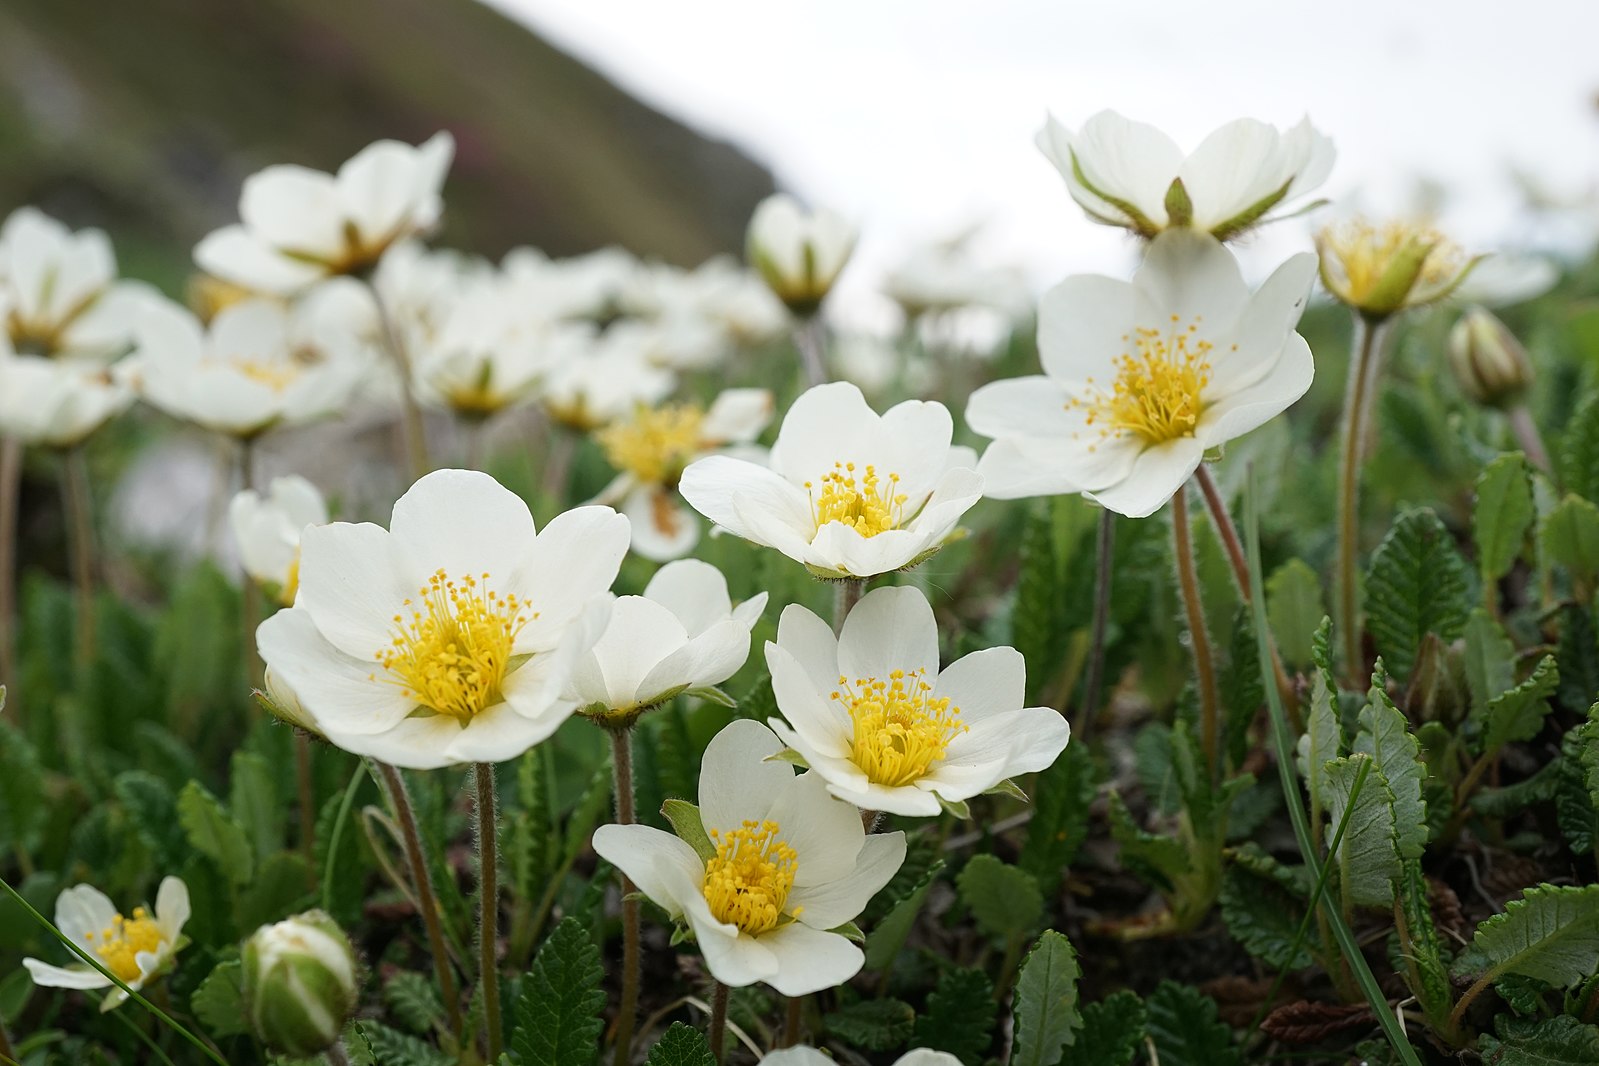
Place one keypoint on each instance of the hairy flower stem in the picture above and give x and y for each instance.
(810, 337)
(10, 491)
(1363, 370)
(250, 610)
(1198, 635)
(6, 1054)
(1104, 565)
(415, 432)
(791, 1021)
(80, 520)
(1527, 435)
(627, 1009)
(488, 931)
(422, 883)
(716, 1029)
(846, 594)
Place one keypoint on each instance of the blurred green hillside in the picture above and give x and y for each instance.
(144, 117)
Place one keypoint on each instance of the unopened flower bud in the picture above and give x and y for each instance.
(1489, 362)
(299, 983)
(798, 253)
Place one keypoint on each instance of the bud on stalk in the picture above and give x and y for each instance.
(299, 983)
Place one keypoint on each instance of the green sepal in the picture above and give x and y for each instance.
(704, 693)
(958, 808)
(1179, 207)
(689, 827)
(850, 931)
(790, 756)
(1010, 788)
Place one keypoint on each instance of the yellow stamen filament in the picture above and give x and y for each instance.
(274, 374)
(869, 506)
(900, 728)
(121, 942)
(453, 653)
(1158, 394)
(1364, 251)
(291, 582)
(656, 445)
(748, 881)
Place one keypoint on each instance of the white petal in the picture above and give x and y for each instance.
(352, 583)
(713, 485)
(737, 416)
(662, 528)
(1251, 408)
(48, 976)
(573, 560)
(1155, 478)
(294, 209)
(809, 960)
(339, 691)
(694, 591)
(825, 833)
(464, 523)
(657, 862)
(501, 732)
(1027, 406)
(1126, 160)
(820, 720)
(984, 683)
(640, 635)
(1234, 168)
(1003, 745)
(812, 644)
(736, 781)
(889, 629)
(235, 255)
(825, 424)
(1189, 277)
(1085, 324)
(172, 907)
(83, 909)
(840, 900)
(1257, 344)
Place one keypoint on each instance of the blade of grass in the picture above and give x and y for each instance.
(338, 833)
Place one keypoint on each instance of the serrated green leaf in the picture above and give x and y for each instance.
(390, 1047)
(1569, 537)
(281, 886)
(1550, 933)
(1262, 902)
(1578, 656)
(1368, 855)
(529, 832)
(1490, 660)
(347, 886)
(1294, 608)
(1422, 962)
(153, 813)
(23, 810)
(1004, 899)
(413, 1002)
(1503, 513)
(1323, 741)
(1559, 1041)
(1385, 736)
(558, 1017)
(254, 801)
(1062, 796)
(1186, 1031)
(959, 1018)
(681, 1045)
(873, 1024)
(219, 1001)
(1158, 859)
(888, 936)
(586, 815)
(1113, 1031)
(213, 833)
(1575, 809)
(1579, 453)
(1037, 615)
(1416, 585)
(1510, 800)
(1518, 714)
(1045, 1005)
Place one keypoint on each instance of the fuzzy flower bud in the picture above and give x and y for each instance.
(798, 253)
(299, 983)
(1489, 362)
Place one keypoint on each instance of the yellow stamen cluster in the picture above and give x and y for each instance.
(291, 582)
(868, 506)
(1158, 394)
(275, 374)
(901, 729)
(120, 943)
(656, 445)
(1364, 251)
(451, 656)
(748, 881)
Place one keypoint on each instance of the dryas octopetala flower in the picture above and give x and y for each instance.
(1379, 270)
(267, 532)
(299, 983)
(137, 949)
(299, 225)
(448, 637)
(60, 403)
(847, 492)
(1142, 378)
(683, 633)
(608, 382)
(871, 712)
(804, 1056)
(799, 253)
(1130, 174)
(775, 865)
(1489, 362)
(651, 450)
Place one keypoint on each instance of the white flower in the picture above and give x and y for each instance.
(1503, 279)
(268, 531)
(241, 376)
(720, 293)
(607, 383)
(878, 366)
(651, 450)
(1130, 174)
(887, 730)
(1382, 269)
(448, 637)
(799, 253)
(60, 403)
(300, 225)
(804, 1056)
(784, 863)
(683, 633)
(847, 493)
(136, 949)
(588, 286)
(945, 277)
(1142, 378)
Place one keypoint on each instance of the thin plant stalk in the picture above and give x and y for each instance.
(810, 334)
(791, 1021)
(144, 1038)
(716, 1028)
(487, 809)
(6, 1053)
(254, 669)
(10, 493)
(1198, 635)
(557, 474)
(1104, 566)
(80, 521)
(1527, 435)
(627, 1009)
(422, 881)
(345, 803)
(846, 594)
(415, 431)
(1363, 371)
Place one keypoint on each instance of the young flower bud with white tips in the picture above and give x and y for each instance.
(799, 253)
(299, 983)
(1489, 362)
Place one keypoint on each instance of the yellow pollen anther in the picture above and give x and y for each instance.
(748, 881)
(869, 506)
(656, 445)
(1158, 394)
(1365, 251)
(120, 943)
(901, 729)
(452, 654)
(275, 375)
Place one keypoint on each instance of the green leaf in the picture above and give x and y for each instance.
(681, 1045)
(1262, 902)
(529, 834)
(1385, 736)
(1160, 860)
(1045, 1005)
(1416, 585)
(1570, 537)
(154, 815)
(1368, 855)
(413, 1002)
(558, 1017)
(689, 827)
(281, 886)
(1186, 1030)
(1037, 616)
(219, 1001)
(873, 1024)
(1551, 933)
(1490, 660)
(350, 868)
(1113, 1031)
(883, 943)
(23, 809)
(1503, 514)
(959, 1018)
(253, 798)
(1422, 963)
(1294, 608)
(1559, 1041)
(1579, 454)
(1004, 899)
(1518, 714)
(586, 815)
(390, 1047)
(1323, 740)
(1062, 796)
(1578, 656)
(213, 833)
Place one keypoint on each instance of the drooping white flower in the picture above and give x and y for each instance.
(1142, 378)
(805, 1056)
(267, 532)
(847, 492)
(871, 712)
(137, 949)
(300, 225)
(780, 864)
(60, 403)
(799, 253)
(607, 383)
(450, 636)
(683, 633)
(651, 450)
(1130, 174)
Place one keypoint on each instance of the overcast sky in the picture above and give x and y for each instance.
(916, 118)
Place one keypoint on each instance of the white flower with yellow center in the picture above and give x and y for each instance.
(243, 375)
(1381, 269)
(60, 403)
(301, 225)
(846, 492)
(804, 1056)
(651, 450)
(775, 866)
(450, 636)
(1130, 174)
(871, 712)
(267, 531)
(799, 253)
(607, 383)
(1142, 378)
(137, 948)
(683, 633)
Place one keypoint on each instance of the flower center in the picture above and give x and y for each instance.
(1159, 386)
(656, 445)
(901, 729)
(747, 883)
(121, 942)
(1365, 251)
(276, 375)
(868, 506)
(453, 653)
